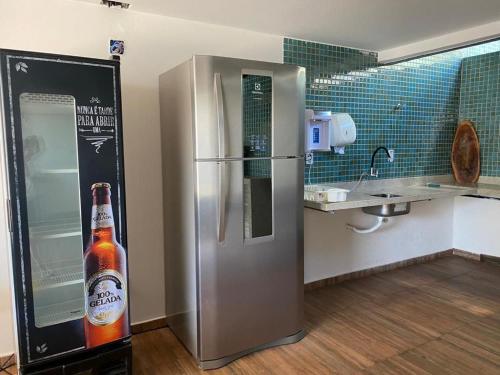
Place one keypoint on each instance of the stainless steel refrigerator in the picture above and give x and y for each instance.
(232, 139)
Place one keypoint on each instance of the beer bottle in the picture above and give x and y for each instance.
(105, 263)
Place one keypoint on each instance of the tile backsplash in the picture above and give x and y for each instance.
(411, 107)
(480, 102)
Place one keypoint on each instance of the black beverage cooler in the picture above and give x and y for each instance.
(62, 129)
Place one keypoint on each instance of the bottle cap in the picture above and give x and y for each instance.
(100, 185)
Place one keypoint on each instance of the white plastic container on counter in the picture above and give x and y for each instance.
(321, 193)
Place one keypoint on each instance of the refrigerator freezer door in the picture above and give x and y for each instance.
(221, 108)
(250, 282)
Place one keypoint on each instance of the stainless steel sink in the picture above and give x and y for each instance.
(390, 209)
(386, 195)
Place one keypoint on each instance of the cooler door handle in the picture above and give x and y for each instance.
(9, 214)
(221, 219)
(221, 126)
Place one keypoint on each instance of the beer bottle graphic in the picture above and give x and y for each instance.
(105, 263)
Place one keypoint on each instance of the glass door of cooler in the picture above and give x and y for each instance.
(53, 207)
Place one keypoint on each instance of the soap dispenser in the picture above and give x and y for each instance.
(317, 132)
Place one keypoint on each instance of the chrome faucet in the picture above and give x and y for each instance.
(373, 170)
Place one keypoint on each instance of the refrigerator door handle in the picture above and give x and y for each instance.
(221, 219)
(221, 126)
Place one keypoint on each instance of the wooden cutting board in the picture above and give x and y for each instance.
(465, 157)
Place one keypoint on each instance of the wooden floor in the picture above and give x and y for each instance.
(437, 318)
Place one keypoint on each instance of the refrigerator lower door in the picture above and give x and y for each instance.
(250, 281)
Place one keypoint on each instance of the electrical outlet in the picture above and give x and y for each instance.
(391, 156)
(309, 158)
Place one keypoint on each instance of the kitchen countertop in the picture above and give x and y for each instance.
(488, 190)
(408, 189)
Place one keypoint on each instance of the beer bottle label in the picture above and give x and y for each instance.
(102, 216)
(106, 297)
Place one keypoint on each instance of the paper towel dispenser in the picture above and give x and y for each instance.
(342, 132)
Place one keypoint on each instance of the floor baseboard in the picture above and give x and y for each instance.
(477, 257)
(490, 259)
(467, 255)
(149, 325)
(379, 269)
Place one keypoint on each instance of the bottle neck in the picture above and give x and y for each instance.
(102, 222)
(103, 234)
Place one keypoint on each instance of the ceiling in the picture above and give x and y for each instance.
(368, 24)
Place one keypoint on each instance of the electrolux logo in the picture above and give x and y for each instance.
(257, 89)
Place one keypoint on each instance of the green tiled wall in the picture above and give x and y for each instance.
(411, 107)
(480, 102)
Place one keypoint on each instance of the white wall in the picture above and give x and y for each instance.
(332, 250)
(153, 45)
(452, 40)
(476, 225)
(6, 327)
